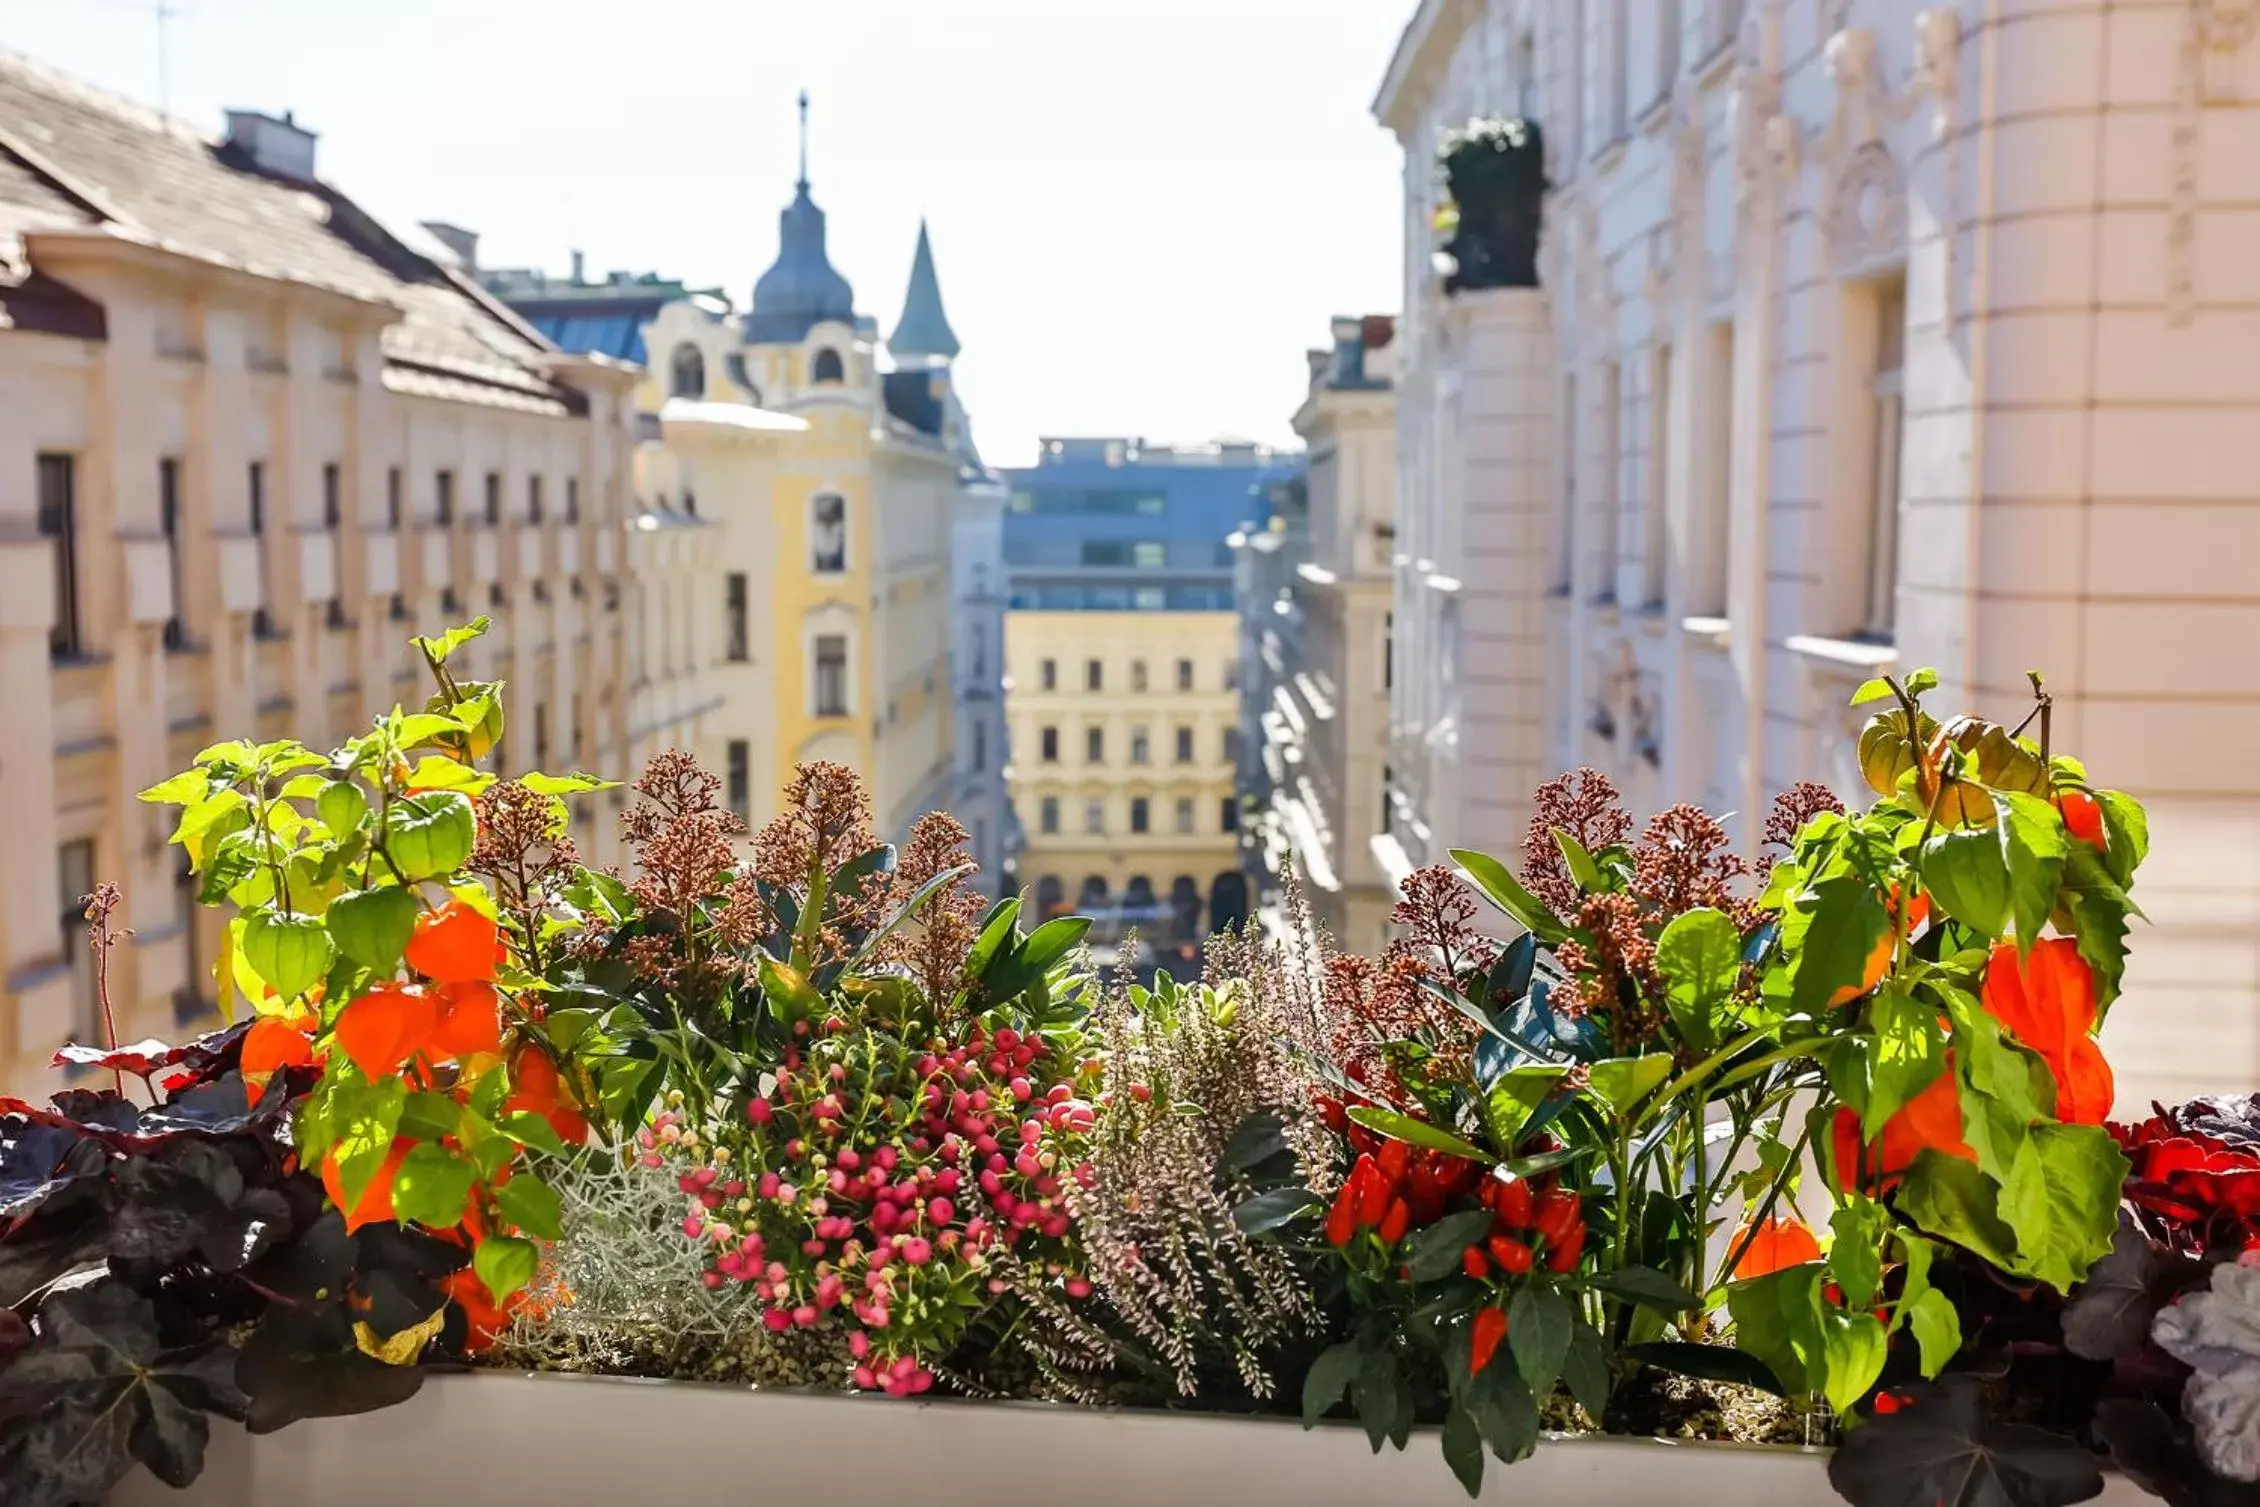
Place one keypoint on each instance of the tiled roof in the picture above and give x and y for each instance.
(62, 141)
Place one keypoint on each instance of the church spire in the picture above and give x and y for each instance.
(802, 184)
(924, 329)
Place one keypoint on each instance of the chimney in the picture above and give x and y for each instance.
(464, 243)
(280, 146)
(1349, 350)
(580, 268)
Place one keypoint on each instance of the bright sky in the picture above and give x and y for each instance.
(1143, 210)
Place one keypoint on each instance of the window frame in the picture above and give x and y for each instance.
(57, 482)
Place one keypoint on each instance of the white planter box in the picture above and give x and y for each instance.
(513, 1440)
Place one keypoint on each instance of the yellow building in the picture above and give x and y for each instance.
(1123, 747)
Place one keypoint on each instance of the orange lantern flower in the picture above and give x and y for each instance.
(273, 1043)
(1776, 1245)
(2083, 818)
(385, 1027)
(375, 1204)
(1879, 958)
(539, 1091)
(1931, 1120)
(454, 945)
(470, 1022)
(2047, 1001)
(484, 1318)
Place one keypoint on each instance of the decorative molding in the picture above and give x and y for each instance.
(1764, 138)
(2213, 41)
(1864, 187)
(1866, 223)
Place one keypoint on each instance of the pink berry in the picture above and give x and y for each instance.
(760, 1112)
(917, 1251)
(777, 1321)
(1077, 1287)
(941, 1211)
(805, 1316)
(859, 1344)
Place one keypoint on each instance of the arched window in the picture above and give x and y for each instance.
(1228, 902)
(1138, 895)
(1051, 896)
(1093, 898)
(827, 367)
(686, 372)
(827, 533)
(1185, 906)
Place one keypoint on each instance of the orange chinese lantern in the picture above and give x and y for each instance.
(2047, 1001)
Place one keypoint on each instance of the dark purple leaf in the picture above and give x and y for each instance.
(300, 1365)
(38, 1161)
(2113, 1308)
(1940, 1449)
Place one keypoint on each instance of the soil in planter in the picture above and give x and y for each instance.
(1658, 1404)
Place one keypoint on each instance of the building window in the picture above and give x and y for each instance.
(1137, 674)
(392, 498)
(1141, 746)
(1184, 745)
(690, 503)
(1051, 674)
(169, 519)
(740, 778)
(1707, 555)
(1141, 814)
(827, 533)
(74, 882)
(541, 733)
(58, 521)
(1184, 814)
(1094, 817)
(1232, 675)
(1388, 651)
(1232, 746)
(1094, 675)
(1228, 814)
(1050, 740)
(533, 500)
(686, 372)
(494, 499)
(736, 647)
(1047, 817)
(572, 499)
(1655, 535)
(1605, 503)
(827, 367)
(443, 499)
(333, 495)
(1094, 745)
(1149, 599)
(255, 481)
(1149, 555)
(831, 675)
(1564, 514)
(980, 746)
(1887, 424)
(575, 737)
(1184, 674)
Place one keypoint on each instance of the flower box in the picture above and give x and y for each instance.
(554, 1439)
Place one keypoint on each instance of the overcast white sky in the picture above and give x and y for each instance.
(1143, 210)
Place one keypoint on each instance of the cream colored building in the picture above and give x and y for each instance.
(1873, 335)
(1325, 733)
(1122, 764)
(250, 441)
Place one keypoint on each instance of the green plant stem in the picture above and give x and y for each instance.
(1699, 1071)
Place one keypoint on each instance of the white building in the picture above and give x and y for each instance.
(1873, 335)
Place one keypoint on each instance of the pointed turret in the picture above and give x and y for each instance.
(924, 329)
(801, 289)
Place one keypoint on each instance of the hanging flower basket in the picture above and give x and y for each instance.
(1495, 171)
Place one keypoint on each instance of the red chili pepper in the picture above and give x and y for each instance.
(1395, 1222)
(1342, 1219)
(1511, 1198)
(1562, 1254)
(1509, 1254)
(1396, 1160)
(1375, 1189)
(1472, 1262)
(1557, 1213)
(1490, 1332)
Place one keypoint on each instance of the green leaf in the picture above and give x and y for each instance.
(1708, 1362)
(430, 835)
(505, 1263)
(372, 927)
(1937, 1328)
(1700, 958)
(189, 785)
(1273, 1209)
(2032, 835)
(428, 1116)
(1847, 920)
(1855, 1257)
(1948, 1197)
(1905, 1055)
(432, 1187)
(1968, 874)
(1463, 1449)
(1854, 1346)
(1583, 870)
(565, 784)
(2062, 1199)
(1328, 1378)
(1053, 940)
(341, 806)
(1622, 1082)
(1506, 1411)
(1435, 1252)
(529, 1129)
(2126, 827)
(1586, 1369)
(1922, 682)
(530, 1204)
(1379, 1395)
(290, 952)
(1516, 1096)
(790, 993)
(1539, 1321)
(364, 1117)
(1878, 689)
(1777, 1324)
(1502, 889)
(438, 649)
(1416, 1133)
(996, 927)
(1649, 1288)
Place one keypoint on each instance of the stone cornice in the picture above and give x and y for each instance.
(1427, 43)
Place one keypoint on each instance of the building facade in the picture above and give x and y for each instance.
(1319, 634)
(1872, 335)
(1123, 669)
(250, 442)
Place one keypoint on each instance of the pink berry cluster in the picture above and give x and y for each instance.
(883, 1186)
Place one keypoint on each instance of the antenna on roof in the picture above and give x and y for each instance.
(804, 138)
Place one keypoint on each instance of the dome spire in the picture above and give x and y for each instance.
(924, 329)
(803, 181)
(801, 289)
